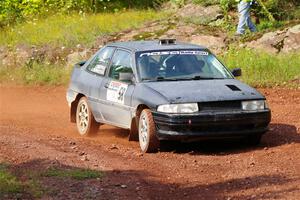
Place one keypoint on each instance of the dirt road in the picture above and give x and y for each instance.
(35, 133)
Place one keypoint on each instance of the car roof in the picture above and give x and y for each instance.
(151, 45)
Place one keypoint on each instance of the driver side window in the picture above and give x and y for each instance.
(101, 61)
(121, 62)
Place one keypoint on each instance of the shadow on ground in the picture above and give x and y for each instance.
(279, 134)
(133, 184)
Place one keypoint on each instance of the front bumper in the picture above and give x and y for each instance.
(211, 125)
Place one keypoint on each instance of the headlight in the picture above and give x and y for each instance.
(178, 108)
(254, 105)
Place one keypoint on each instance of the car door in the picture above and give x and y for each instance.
(116, 94)
(96, 72)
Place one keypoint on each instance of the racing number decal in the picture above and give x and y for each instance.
(116, 92)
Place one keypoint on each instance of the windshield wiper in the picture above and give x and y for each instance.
(159, 78)
(196, 78)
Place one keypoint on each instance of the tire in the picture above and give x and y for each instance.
(85, 121)
(254, 140)
(149, 143)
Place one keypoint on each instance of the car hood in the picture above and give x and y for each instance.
(204, 90)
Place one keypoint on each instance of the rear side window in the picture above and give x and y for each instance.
(121, 62)
(101, 61)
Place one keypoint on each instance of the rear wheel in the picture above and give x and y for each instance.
(86, 124)
(147, 132)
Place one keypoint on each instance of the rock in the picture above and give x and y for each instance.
(200, 14)
(180, 32)
(123, 186)
(103, 40)
(271, 42)
(84, 158)
(23, 55)
(285, 41)
(76, 57)
(113, 146)
(292, 41)
(214, 43)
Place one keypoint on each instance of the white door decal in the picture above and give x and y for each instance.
(116, 92)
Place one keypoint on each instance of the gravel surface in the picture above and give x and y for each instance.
(35, 134)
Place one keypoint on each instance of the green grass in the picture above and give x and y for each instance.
(70, 30)
(264, 70)
(79, 174)
(8, 182)
(32, 185)
(36, 74)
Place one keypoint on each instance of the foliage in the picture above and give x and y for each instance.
(262, 69)
(12, 11)
(8, 182)
(281, 10)
(206, 2)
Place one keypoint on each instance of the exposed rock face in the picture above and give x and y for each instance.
(200, 14)
(292, 40)
(216, 44)
(284, 41)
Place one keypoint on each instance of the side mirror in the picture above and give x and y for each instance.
(126, 76)
(236, 72)
(80, 64)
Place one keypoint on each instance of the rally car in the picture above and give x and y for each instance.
(164, 90)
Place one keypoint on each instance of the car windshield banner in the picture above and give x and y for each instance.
(185, 52)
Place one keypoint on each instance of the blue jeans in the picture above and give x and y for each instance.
(244, 18)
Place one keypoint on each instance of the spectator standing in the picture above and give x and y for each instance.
(244, 7)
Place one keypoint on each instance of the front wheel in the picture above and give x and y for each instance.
(254, 140)
(147, 132)
(86, 124)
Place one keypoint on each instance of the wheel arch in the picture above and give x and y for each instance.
(74, 107)
(133, 135)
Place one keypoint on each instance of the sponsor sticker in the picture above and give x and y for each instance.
(116, 92)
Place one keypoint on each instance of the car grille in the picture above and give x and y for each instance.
(220, 106)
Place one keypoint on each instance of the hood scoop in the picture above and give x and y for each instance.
(234, 88)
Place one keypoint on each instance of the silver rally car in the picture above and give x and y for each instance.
(164, 90)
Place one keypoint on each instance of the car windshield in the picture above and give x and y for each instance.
(180, 65)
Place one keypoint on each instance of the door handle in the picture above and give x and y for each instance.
(106, 85)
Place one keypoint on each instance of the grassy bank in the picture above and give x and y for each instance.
(59, 32)
(70, 30)
(265, 70)
(259, 69)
